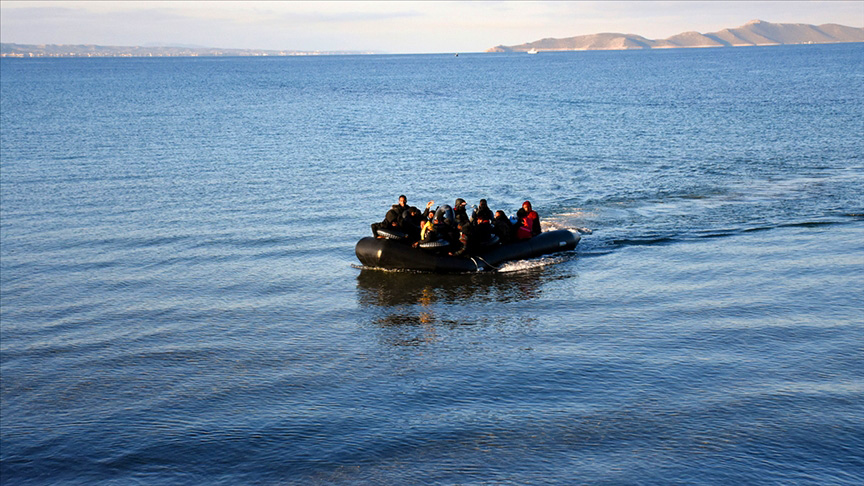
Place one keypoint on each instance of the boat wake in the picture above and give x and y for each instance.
(528, 265)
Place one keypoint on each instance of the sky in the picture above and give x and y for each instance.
(389, 26)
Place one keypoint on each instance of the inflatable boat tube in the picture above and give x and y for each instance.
(445, 213)
(391, 234)
(434, 244)
(383, 253)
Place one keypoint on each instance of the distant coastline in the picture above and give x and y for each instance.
(91, 50)
(754, 33)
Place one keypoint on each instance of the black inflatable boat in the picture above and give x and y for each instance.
(392, 254)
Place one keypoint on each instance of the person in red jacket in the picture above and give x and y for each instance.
(529, 222)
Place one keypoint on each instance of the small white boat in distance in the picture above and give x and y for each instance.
(532, 51)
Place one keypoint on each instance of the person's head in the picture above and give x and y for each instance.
(460, 203)
(526, 205)
(483, 203)
(403, 200)
(500, 214)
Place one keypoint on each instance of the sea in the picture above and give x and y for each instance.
(181, 303)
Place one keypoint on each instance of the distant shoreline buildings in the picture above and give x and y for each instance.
(90, 50)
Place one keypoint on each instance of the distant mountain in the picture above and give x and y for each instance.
(755, 33)
(89, 50)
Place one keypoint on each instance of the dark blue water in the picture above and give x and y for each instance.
(180, 301)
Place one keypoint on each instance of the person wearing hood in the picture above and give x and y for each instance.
(482, 214)
(460, 212)
(393, 218)
(529, 222)
(481, 219)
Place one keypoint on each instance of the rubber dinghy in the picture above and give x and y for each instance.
(390, 254)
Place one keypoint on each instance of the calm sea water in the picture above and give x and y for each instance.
(181, 303)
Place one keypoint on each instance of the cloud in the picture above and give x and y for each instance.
(385, 26)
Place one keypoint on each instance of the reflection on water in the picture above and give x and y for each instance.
(414, 307)
(378, 288)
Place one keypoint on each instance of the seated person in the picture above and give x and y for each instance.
(427, 211)
(411, 223)
(460, 211)
(529, 222)
(481, 219)
(503, 227)
(392, 219)
(427, 225)
(466, 241)
(482, 214)
(433, 230)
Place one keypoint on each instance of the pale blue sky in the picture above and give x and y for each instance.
(397, 27)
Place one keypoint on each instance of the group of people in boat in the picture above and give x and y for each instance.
(448, 229)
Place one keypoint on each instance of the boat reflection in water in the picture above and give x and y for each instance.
(428, 301)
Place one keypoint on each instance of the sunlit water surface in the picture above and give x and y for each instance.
(181, 303)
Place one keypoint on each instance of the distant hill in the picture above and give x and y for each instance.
(755, 33)
(89, 50)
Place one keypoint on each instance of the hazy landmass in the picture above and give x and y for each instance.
(755, 33)
(89, 50)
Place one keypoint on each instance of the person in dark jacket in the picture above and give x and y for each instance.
(482, 214)
(447, 228)
(466, 241)
(503, 227)
(481, 220)
(411, 223)
(393, 218)
(428, 210)
(460, 211)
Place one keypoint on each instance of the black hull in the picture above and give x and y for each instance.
(383, 253)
